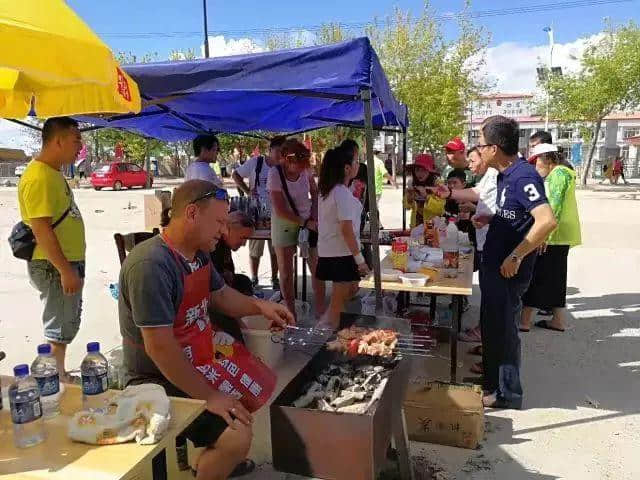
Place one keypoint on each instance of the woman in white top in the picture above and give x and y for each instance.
(292, 212)
(340, 260)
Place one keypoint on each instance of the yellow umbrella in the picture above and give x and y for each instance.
(50, 57)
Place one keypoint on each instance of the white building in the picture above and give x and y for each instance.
(615, 137)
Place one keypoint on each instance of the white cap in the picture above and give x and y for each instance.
(542, 148)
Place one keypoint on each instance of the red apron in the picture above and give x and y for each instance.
(232, 369)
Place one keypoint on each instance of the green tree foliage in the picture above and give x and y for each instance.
(435, 77)
(608, 80)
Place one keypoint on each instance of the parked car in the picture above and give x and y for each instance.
(119, 175)
(20, 170)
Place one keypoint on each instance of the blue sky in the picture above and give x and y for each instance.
(134, 16)
(518, 44)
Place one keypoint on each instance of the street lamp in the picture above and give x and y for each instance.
(549, 31)
(206, 30)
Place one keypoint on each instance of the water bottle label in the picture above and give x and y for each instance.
(95, 384)
(49, 385)
(25, 412)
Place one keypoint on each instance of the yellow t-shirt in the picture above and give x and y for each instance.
(44, 192)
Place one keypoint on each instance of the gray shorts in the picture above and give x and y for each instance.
(256, 248)
(61, 315)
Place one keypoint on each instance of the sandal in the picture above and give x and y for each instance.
(477, 351)
(547, 325)
(471, 335)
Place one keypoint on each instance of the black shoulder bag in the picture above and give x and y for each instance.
(22, 240)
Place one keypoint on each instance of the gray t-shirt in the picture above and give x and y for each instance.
(151, 290)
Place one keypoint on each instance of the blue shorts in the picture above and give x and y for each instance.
(61, 315)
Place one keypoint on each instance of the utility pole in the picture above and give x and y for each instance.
(206, 30)
(549, 31)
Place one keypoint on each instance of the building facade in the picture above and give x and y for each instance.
(616, 137)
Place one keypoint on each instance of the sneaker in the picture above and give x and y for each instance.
(275, 283)
(254, 281)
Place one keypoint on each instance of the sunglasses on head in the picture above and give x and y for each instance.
(217, 193)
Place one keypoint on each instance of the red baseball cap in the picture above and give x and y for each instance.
(455, 145)
(425, 161)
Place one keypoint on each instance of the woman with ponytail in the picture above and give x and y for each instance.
(340, 260)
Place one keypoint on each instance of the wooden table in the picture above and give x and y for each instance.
(459, 287)
(60, 458)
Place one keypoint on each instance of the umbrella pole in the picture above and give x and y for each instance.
(365, 95)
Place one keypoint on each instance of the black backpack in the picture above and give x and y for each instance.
(22, 240)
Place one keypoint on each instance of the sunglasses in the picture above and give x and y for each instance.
(485, 145)
(217, 193)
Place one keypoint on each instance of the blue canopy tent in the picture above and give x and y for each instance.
(289, 91)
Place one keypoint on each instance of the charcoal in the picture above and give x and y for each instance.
(323, 378)
(332, 389)
(325, 406)
(354, 388)
(307, 399)
(347, 399)
(313, 391)
(373, 379)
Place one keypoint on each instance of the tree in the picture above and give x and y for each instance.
(608, 80)
(436, 78)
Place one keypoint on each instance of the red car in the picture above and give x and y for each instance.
(118, 175)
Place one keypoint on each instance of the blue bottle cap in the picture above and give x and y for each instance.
(93, 347)
(21, 370)
(44, 349)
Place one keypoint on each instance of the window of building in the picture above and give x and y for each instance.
(565, 133)
(628, 132)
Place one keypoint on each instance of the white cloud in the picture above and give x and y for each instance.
(219, 46)
(512, 65)
(16, 136)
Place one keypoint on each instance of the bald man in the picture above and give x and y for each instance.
(167, 285)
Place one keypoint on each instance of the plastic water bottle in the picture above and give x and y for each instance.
(45, 370)
(95, 379)
(26, 409)
(450, 251)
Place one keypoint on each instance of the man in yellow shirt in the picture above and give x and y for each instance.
(56, 269)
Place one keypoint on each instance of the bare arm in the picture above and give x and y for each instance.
(313, 190)
(236, 305)
(279, 204)
(544, 223)
(48, 242)
(240, 183)
(165, 351)
(465, 195)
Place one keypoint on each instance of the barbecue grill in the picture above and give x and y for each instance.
(339, 445)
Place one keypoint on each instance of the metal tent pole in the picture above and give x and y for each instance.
(404, 176)
(365, 95)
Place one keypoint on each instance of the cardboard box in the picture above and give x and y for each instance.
(445, 414)
(153, 206)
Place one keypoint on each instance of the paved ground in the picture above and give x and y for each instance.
(581, 419)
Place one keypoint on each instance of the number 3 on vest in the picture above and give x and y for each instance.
(532, 192)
